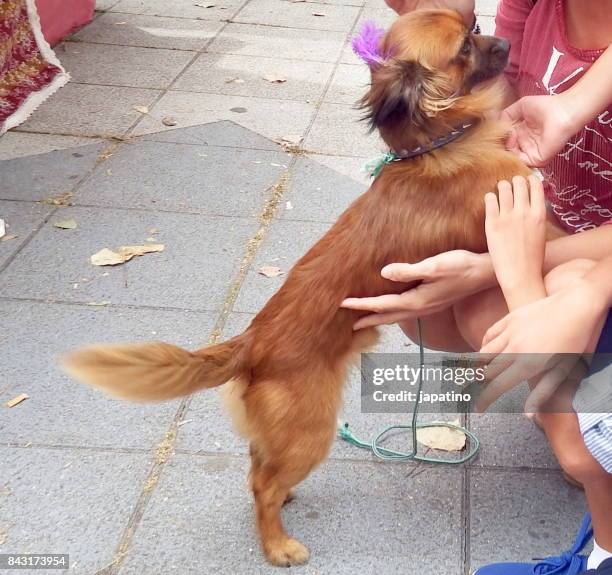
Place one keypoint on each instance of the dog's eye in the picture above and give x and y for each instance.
(466, 47)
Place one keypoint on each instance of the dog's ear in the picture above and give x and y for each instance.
(400, 92)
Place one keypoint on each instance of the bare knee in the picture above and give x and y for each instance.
(439, 331)
(477, 313)
(566, 274)
(581, 465)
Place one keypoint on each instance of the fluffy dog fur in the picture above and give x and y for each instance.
(287, 370)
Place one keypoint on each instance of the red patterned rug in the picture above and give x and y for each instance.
(29, 70)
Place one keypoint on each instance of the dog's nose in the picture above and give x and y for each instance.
(501, 47)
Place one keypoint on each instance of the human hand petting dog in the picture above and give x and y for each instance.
(542, 127)
(445, 279)
(544, 124)
(464, 7)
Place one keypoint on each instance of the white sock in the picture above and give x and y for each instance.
(597, 556)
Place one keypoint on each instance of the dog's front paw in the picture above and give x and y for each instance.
(287, 552)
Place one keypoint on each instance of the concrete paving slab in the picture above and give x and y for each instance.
(286, 242)
(68, 501)
(61, 411)
(380, 4)
(349, 85)
(79, 109)
(351, 167)
(338, 2)
(225, 134)
(202, 503)
(111, 65)
(40, 176)
(338, 131)
(20, 144)
(245, 76)
(508, 438)
(273, 119)
(521, 515)
(348, 56)
(201, 258)
(185, 178)
(298, 15)
(102, 5)
(253, 40)
(21, 219)
(382, 15)
(317, 193)
(486, 7)
(149, 31)
(218, 10)
(511, 440)
(487, 24)
(209, 428)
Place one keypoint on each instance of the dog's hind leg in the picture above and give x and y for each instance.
(271, 484)
(293, 424)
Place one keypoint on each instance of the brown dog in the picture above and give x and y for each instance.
(287, 370)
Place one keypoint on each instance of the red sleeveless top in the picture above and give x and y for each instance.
(578, 180)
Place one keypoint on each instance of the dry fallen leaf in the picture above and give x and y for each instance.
(59, 200)
(443, 438)
(2, 228)
(270, 271)
(141, 109)
(8, 237)
(274, 79)
(17, 400)
(106, 257)
(169, 121)
(234, 81)
(66, 224)
(98, 303)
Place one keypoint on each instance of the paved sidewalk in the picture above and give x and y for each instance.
(159, 489)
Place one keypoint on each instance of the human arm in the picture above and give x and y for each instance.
(563, 322)
(515, 225)
(542, 337)
(450, 277)
(543, 341)
(544, 124)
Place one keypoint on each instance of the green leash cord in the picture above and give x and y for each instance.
(390, 454)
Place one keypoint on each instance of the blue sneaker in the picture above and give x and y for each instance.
(569, 563)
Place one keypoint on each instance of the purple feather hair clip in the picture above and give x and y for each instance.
(367, 44)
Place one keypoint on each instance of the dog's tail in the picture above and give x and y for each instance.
(156, 371)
